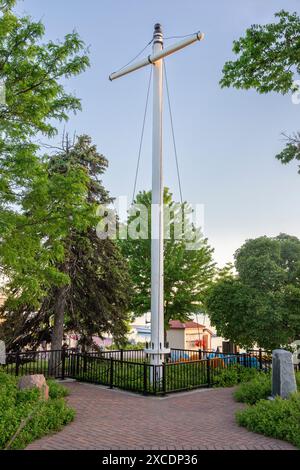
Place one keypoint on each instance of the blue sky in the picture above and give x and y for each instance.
(226, 139)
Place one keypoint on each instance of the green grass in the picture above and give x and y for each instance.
(16, 406)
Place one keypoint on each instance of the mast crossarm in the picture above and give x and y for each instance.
(152, 58)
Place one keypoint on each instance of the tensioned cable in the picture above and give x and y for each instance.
(135, 57)
(173, 133)
(142, 136)
(180, 37)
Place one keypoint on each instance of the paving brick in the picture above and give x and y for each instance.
(112, 419)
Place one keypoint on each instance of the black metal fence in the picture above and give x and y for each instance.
(131, 369)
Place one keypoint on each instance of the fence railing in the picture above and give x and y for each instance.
(123, 354)
(53, 363)
(131, 369)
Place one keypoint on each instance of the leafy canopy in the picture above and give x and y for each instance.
(32, 71)
(268, 56)
(187, 273)
(261, 304)
(88, 275)
(268, 60)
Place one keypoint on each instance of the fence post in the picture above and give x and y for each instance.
(200, 354)
(73, 357)
(84, 363)
(77, 362)
(260, 358)
(63, 364)
(208, 372)
(164, 382)
(17, 363)
(122, 357)
(145, 378)
(111, 380)
(249, 360)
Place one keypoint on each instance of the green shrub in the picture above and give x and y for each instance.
(57, 390)
(258, 388)
(297, 375)
(276, 418)
(16, 406)
(48, 417)
(233, 375)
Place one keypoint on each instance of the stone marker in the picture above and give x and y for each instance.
(38, 380)
(283, 375)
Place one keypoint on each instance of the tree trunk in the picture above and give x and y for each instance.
(59, 315)
(58, 331)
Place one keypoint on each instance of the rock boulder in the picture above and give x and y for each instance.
(38, 380)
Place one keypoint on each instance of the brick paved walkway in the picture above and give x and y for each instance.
(112, 419)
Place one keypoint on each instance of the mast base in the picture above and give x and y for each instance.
(157, 352)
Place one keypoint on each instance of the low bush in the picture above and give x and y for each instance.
(233, 375)
(39, 417)
(297, 375)
(258, 388)
(275, 418)
(57, 390)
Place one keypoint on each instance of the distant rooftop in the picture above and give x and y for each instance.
(176, 324)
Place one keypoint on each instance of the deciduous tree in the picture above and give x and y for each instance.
(261, 304)
(187, 272)
(35, 100)
(92, 296)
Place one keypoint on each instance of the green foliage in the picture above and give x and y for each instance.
(6, 4)
(297, 376)
(291, 150)
(268, 60)
(268, 56)
(18, 405)
(264, 293)
(233, 375)
(275, 418)
(31, 71)
(256, 389)
(88, 281)
(35, 99)
(187, 272)
(56, 390)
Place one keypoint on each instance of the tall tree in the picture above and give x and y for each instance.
(268, 60)
(261, 304)
(31, 71)
(93, 294)
(187, 272)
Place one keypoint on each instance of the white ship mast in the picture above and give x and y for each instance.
(157, 349)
